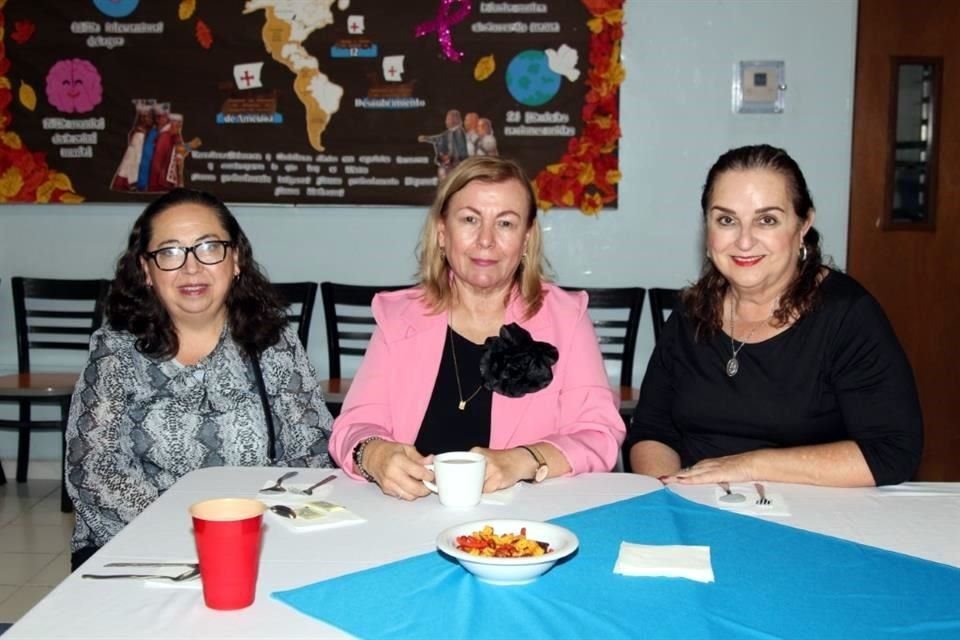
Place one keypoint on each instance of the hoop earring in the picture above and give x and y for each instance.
(803, 253)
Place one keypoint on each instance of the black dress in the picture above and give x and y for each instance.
(445, 427)
(838, 373)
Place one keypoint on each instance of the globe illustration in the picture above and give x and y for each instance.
(530, 80)
(116, 8)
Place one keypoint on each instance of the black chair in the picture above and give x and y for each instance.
(51, 315)
(349, 320)
(662, 304)
(615, 313)
(617, 330)
(299, 298)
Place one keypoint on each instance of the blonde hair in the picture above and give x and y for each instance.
(434, 270)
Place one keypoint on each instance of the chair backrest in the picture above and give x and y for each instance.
(299, 297)
(616, 317)
(662, 304)
(56, 314)
(350, 328)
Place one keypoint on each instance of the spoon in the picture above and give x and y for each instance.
(309, 490)
(278, 483)
(729, 496)
(284, 511)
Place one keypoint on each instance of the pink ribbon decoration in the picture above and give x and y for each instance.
(445, 19)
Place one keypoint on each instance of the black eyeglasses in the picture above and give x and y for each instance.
(207, 252)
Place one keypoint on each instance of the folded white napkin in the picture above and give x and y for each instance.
(777, 507)
(294, 491)
(670, 561)
(313, 515)
(192, 583)
(501, 497)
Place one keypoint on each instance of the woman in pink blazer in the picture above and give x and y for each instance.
(482, 356)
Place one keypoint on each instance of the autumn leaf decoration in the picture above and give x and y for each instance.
(587, 174)
(24, 174)
(23, 30)
(186, 9)
(204, 35)
(28, 97)
(201, 31)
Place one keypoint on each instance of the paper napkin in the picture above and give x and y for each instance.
(669, 561)
(777, 507)
(501, 497)
(314, 515)
(294, 491)
(193, 583)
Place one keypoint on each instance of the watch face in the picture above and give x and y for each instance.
(542, 472)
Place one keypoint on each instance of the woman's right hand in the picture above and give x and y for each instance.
(399, 469)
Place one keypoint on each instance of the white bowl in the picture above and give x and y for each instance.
(510, 570)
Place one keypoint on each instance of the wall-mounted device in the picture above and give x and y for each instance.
(759, 86)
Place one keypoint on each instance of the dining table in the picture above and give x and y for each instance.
(913, 528)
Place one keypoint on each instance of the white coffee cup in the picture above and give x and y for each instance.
(459, 478)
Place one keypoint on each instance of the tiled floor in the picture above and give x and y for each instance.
(34, 544)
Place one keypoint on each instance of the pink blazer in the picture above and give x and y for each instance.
(577, 412)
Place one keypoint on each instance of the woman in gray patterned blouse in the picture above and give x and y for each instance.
(171, 384)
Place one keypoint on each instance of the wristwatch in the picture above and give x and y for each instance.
(542, 469)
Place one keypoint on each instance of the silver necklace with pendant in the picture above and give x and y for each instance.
(733, 365)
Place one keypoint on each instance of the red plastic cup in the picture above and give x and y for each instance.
(227, 533)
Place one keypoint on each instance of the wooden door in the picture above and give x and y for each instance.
(915, 274)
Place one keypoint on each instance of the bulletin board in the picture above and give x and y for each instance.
(324, 102)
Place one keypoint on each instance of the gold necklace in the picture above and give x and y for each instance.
(456, 370)
(733, 365)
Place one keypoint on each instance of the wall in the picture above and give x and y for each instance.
(676, 120)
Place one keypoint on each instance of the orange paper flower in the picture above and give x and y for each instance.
(24, 174)
(587, 174)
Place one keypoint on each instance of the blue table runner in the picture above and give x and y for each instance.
(772, 581)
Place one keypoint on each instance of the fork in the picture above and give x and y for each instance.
(762, 492)
(277, 486)
(186, 575)
(193, 565)
(309, 490)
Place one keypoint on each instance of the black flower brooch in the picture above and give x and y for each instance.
(514, 364)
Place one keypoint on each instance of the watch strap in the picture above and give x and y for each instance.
(542, 468)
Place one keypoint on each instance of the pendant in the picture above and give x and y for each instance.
(463, 403)
(732, 367)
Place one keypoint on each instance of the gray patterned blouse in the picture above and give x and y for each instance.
(137, 423)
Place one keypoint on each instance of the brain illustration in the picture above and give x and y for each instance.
(73, 86)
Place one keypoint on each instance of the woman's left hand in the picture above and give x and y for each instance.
(735, 468)
(505, 467)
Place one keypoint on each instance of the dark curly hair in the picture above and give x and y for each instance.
(704, 299)
(255, 315)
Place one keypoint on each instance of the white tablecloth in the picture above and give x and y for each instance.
(919, 519)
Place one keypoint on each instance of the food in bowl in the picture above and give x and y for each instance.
(509, 570)
(505, 545)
